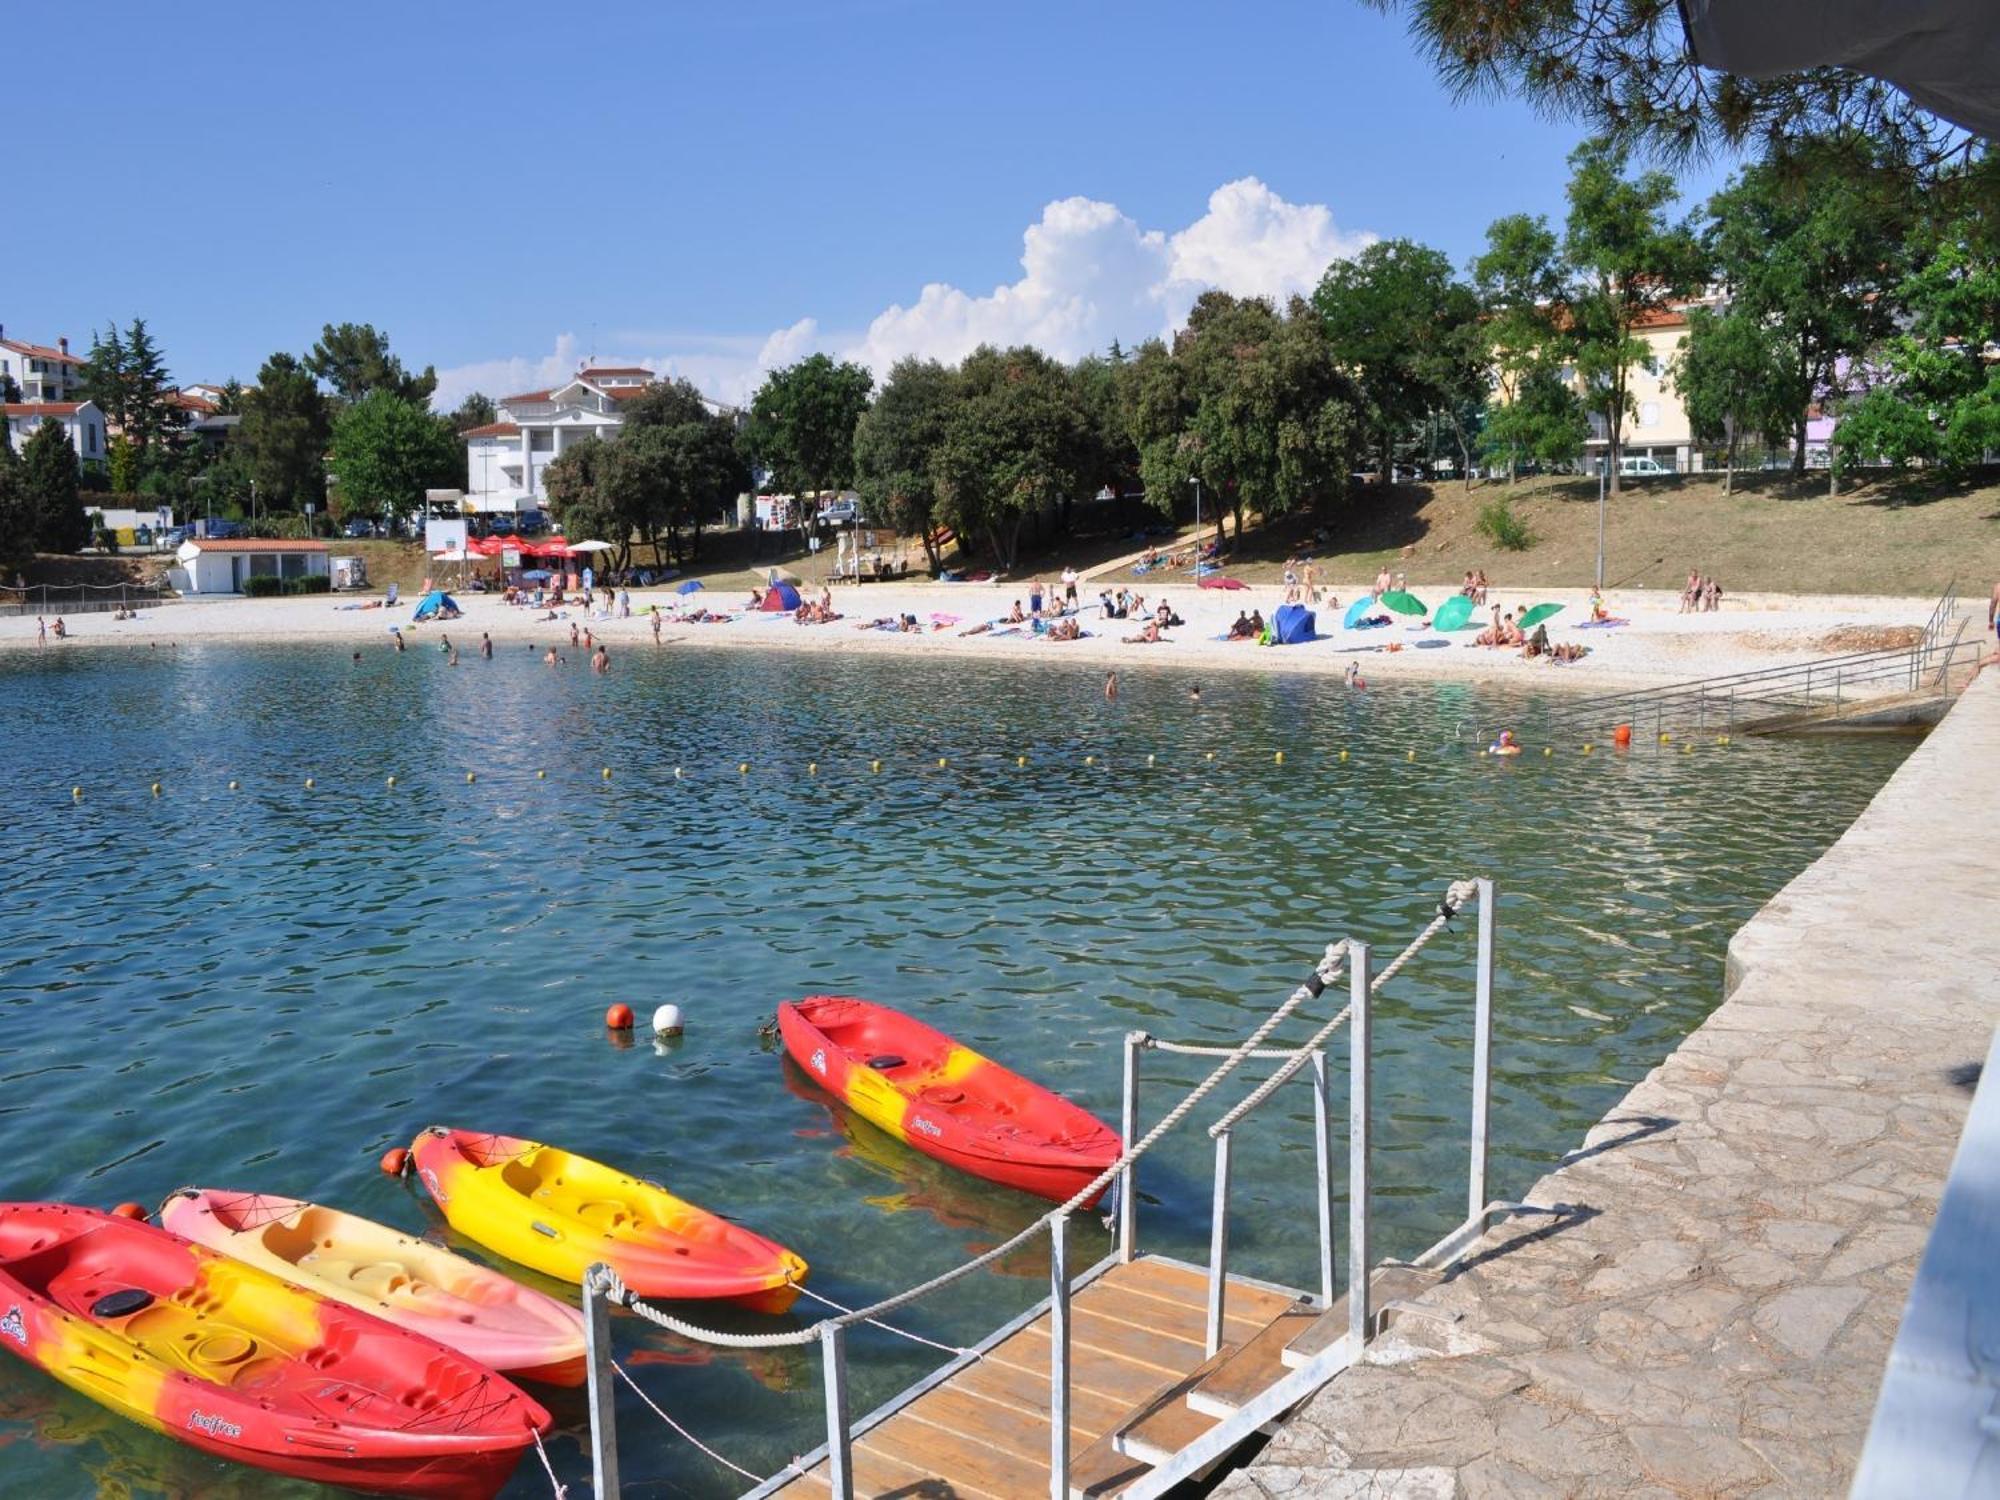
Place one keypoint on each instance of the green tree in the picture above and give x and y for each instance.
(284, 434)
(17, 511)
(1015, 445)
(897, 444)
(230, 403)
(1935, 397)
(106, 379)
(1402, 325)
(581, 490)
(122, 462)
(387, 451)
(1542, 422)
(802, 422)
(150, 413)
(353, 359)
(476, 410)
(1157, 403)
(1734, 374)
(1630, 264)
(674, 465)
(48, 473)
(1518, 280)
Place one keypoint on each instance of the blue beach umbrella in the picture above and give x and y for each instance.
(692, 586)
(1358, 611)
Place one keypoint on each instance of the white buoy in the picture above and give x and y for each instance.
(667, 1021)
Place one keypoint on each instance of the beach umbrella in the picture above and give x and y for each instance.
(590, 547)
(1454, 614)
(1358, 611)
(692, 586)
(1539, 613)
(1404, 603)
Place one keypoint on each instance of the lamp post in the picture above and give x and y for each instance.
(1603, 468)
(1195, 480)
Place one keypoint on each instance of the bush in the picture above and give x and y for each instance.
(1501, 526)
(269, 586)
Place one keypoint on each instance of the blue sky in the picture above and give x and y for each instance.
(503, 187)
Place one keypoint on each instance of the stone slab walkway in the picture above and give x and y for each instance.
(1712, 1315)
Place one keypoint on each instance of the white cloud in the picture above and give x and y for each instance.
(1090, 273)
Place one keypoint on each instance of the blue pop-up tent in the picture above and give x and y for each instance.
(436, 605)
(1293, 625)
(781, 596)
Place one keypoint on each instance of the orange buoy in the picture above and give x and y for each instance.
(1621, 735)
(128, 1211)
(395, 1162)
(619, 1017)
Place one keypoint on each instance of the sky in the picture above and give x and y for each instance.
(509, 190)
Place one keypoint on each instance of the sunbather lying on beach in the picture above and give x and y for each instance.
(1065, 630)
(1147, 637)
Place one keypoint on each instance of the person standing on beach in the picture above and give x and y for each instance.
(656, 625)
(42, 625)
(397, 637)
(1069, 587)
(1035, 599)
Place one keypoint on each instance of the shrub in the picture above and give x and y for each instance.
(269, 586)
(1501, 526)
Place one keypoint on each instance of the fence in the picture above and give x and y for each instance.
(602, 1287)
(80, 598)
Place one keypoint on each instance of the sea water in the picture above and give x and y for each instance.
(266, 987)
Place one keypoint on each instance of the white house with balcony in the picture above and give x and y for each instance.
(504, 460)
(81, 421)
(42, 373)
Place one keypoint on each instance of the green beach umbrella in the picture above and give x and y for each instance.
(1454, 614)
(1404, 603)
(1539, 613)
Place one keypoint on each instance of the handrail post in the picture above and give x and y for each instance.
(1482, 1052)
(603, 1395)
(1323, 1151)
(1059, 1357)
(1128, 1180)
(1358, 1319)
(839, 1457)
(1218, 1244)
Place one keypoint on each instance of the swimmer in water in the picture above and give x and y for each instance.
(1110, 687)
(1194, 695)
(486, 645)
(1353, 677)
(549, 659)
(357, 657)
(601, 662)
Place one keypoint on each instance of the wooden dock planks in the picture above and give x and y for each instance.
(984, 1432)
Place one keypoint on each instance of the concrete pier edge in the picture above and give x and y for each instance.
(1713, 1313)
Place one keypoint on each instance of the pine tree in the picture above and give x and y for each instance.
(149, 415)
(107, 377)
(48, 463)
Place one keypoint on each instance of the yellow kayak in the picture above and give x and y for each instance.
(422, 1287)
(561, 1214)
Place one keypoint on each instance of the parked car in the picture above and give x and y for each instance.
(500, 526)
(1641, 468)
(359, 527)
(840, 513)
(531, 523)
(226, 531)
(176, 536)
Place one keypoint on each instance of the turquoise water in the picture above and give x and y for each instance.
(266, 988)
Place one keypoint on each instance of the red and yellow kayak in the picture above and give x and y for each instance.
(522, 1333)
(947, 1101)
(561, 1214)
(233, 1361)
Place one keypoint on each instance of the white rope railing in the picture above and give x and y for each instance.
(660, 1412)
(610, 1285)
(1455, 897)
(561, 1489)
(901, 1333)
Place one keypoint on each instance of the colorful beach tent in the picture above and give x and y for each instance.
(1292, 625)
(1454, 614)
(692, 586)
(436, 605)
(780, 596)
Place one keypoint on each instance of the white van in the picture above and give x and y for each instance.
(1641, 468)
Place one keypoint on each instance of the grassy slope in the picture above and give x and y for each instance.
(1771, 534)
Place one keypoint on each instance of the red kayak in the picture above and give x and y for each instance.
(946, 1100)
(232, 1360)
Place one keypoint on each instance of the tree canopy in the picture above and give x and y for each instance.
(387, 451)
(354, 359)
(48, 479)
(284, 434)
(896, 448)
(802, 420)
(127, 377)
(1015, 444)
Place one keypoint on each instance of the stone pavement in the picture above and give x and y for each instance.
(1712, 1314)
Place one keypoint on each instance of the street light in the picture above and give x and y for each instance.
(1195, 480)
(1603, 468)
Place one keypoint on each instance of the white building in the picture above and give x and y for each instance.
(219, 567)
(81, 420)
(504, 459)
(42, 373)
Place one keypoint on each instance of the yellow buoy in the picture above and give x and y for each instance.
(607, 773)
(1665, 738)
(1687, 749)
(1548, 750)
(1278, 759)
(470, 777)
(677, 773)
(1722, 739)
(743, 768)
(156, 789)
(1411, 756)
(232, 786)
(391, 781)
(76, 792)
(309, 783)
(1149, 760)
(1090, 760)
(1587, 747)
(541, 775)
(874, 765)
(1343, 755)
(940, 762)
(1020, 760)
(1211, 755)
(812, 768)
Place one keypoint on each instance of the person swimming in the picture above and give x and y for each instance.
(1504, 745)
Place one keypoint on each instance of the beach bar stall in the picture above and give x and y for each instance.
(219, 567)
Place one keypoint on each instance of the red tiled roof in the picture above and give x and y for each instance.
(256, 544)
(192, 403)
(40, 351)
(42, 408)
(527, 396)
(590, 370)
(493, 429)
(627, 392)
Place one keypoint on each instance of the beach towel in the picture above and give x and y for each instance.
(1601, 624)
